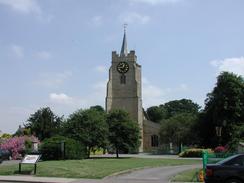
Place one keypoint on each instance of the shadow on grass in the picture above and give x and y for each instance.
(24, 172)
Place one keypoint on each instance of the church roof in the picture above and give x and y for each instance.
(124, 50)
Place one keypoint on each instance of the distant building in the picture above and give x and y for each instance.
(124, 91)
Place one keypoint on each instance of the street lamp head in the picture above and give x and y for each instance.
(218, 130)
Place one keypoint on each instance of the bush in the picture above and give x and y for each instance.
(194, 153)
(220, 149)
(18, 146)
(51, 149)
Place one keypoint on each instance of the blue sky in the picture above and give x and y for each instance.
(57, 52)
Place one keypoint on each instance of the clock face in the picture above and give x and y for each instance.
(122, 67)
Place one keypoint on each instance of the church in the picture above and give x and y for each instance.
(124, 91)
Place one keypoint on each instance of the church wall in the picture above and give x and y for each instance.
(149, 128)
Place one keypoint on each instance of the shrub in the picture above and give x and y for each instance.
(220, 149)
(18, 146)
(194, 153)
(51, 149)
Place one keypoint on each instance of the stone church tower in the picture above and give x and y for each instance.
(124, 91)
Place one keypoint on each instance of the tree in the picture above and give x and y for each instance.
(180, 106)
(124, 133)
(98, 108)
(6, 136)
(179, 129)
(89, 127)
(224, 107)
(22, 131)
(44, 123)
(156, 114)
(172, 108)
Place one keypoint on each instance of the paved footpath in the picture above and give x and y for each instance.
(148, 175)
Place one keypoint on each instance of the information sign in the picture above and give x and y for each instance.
(30, 159)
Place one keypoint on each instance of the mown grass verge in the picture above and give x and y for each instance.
(186, 176)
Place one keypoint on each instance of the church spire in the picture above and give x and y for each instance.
(124, 50)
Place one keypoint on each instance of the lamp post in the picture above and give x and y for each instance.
(34, 146)
(218, 133)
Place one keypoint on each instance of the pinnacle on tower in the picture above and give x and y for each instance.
(124, 50)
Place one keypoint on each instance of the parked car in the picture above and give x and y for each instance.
(4, 155)
(229, 170)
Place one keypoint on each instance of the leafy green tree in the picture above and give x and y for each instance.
(171, 108)
(89, 127)
(156, 114)
(44, 123)
(180, 106)
(237, 136)
(6, 136)
(224, 107)
(98, 108)
(124, 133)
(179, 129)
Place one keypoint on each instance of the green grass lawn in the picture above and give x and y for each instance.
(186, 176)
(91, 168)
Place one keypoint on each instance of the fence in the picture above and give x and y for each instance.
(170, 148)
(208, 158)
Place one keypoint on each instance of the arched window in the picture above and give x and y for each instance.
(154, 141)
(122, 79)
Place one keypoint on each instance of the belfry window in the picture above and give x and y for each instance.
(154, 141)
(122, 79)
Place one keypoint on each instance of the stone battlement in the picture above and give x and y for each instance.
(130, 56)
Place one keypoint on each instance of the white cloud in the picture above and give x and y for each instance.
(28, 7)
(18, 51)
(23, 6)
(63, 102)
(155, 2)
(43, 55)
(53, 79)
(235, 65)
(101, 69)
(98, 94)
(134, 17)
(60, 98)
(97, 20)
(151, 94)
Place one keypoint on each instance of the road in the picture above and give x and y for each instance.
(150, 175)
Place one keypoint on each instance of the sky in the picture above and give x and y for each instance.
(57, 53)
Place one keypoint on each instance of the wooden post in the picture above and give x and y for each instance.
(19, 167)
(35, 169)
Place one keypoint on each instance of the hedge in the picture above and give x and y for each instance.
(51, 149)
(194, 153)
